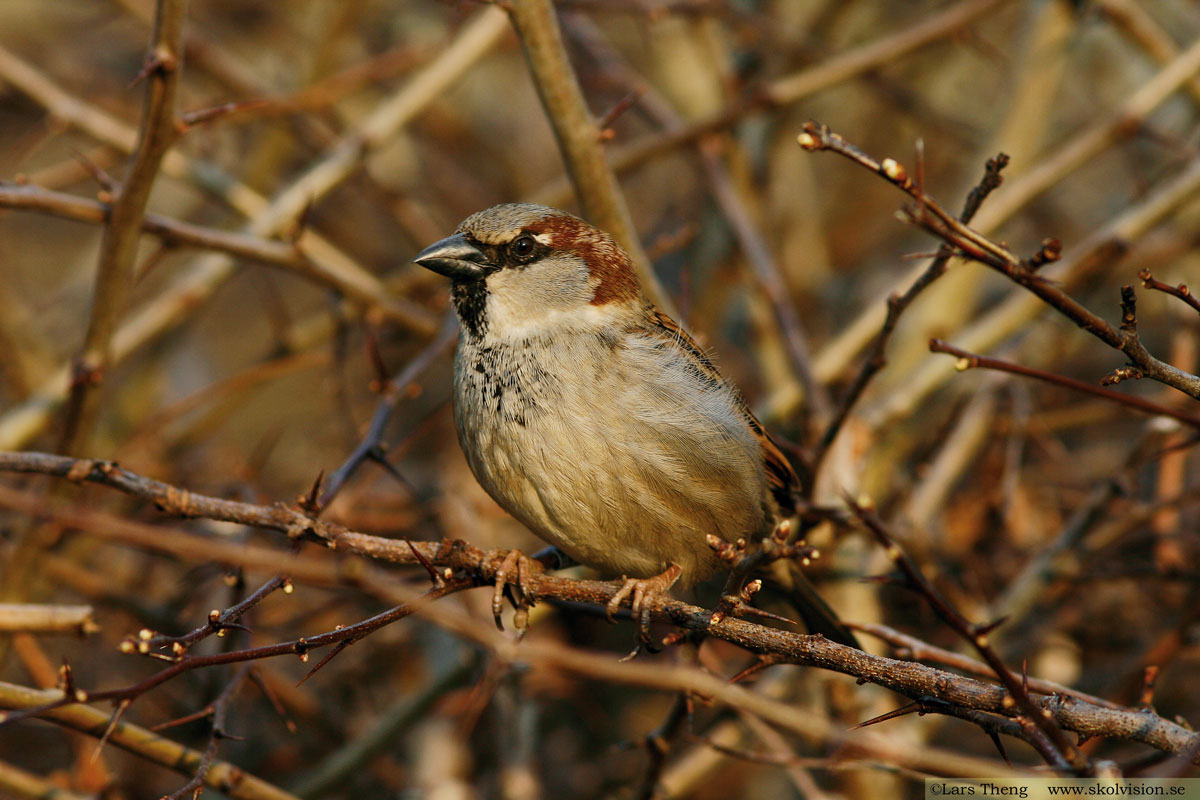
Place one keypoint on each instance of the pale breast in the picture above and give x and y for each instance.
(611, 448)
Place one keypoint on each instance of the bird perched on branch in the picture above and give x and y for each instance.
(594, 419)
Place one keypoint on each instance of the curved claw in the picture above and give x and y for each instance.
(510, 564)
(643, 592)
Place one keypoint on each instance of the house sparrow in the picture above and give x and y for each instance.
(593, 418)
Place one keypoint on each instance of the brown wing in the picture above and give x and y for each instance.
(782, 480)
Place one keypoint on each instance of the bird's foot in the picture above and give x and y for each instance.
(640, 592)
(516, 565)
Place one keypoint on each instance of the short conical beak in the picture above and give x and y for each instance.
(454, 257)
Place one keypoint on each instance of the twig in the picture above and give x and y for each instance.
(169, 309)
(371, 446)
(20, 783)
(343, 762)
(1133, 20)
(929, 215)
(1061, 750)
(300, 647)
(790, 89)
(1181, 291)
(218, 622)
(897, 304)
(1079, 150)
(918, 650)
(972, 361)
(658, 745)
(221, 775)
(173, 232)
(219, 710)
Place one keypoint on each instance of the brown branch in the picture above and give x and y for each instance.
(790, 89)
(221, 775)
(371, 447)
(464, 566)
(969, 360)
(896, 304)
(578, 135)
(118, 247)
(173, 232)
(926, 213)
(219, 711)
(300, 647)
(218, 621)
(1059, 751)
(1181, 291)
(37, 618)
(918, 650)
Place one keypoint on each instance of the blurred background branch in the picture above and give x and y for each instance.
(271, 329)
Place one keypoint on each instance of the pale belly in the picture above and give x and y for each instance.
(626, 470)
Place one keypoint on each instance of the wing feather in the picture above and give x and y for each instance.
(782, 480)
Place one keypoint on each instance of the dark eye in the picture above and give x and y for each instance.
(523, 246)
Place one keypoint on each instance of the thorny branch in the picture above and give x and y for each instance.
(968, 360)
(463, 566)
(1059, 751)
(925, 212)
(896, 305)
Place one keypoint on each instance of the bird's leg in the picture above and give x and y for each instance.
(643, 590)
(514, 562)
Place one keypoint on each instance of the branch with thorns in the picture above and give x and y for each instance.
(925, 212)
(454, 566)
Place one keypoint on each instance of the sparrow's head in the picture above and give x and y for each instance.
(519, 267)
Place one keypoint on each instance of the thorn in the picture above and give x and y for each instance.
(995, 737)
(984, 629)
(342, 645)
(190, 119)
(437, 578)
(914, 707)
(310, 503)
(624, 104)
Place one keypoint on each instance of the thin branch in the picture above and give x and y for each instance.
(371, 446)
(300, 647)
(42, 618)
(118, 247)
(1079, 150)
(219, 710)
(972, 361)
(289, 256)
(918, 650)
(170, 308)
(1061, 751)
(929, 215)
(790, 89)
(579, 137)
(1181, 291)
(896, 305)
